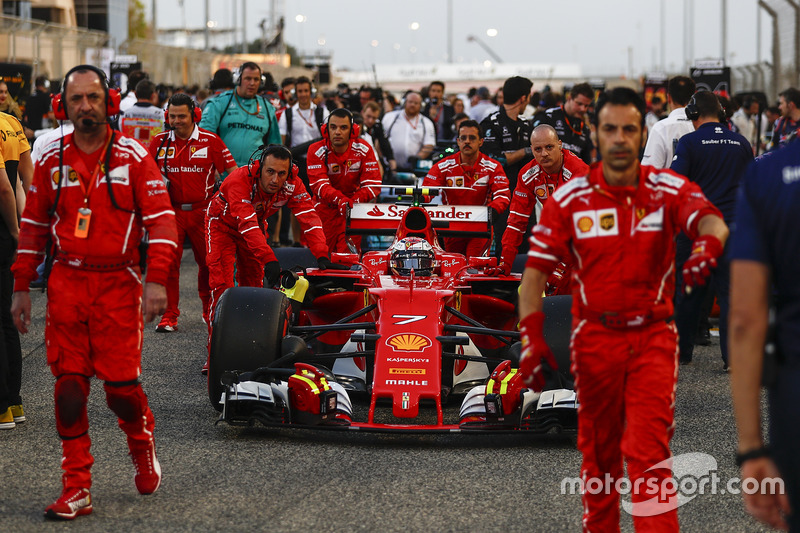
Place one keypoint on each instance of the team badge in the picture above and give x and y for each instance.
(640, 212)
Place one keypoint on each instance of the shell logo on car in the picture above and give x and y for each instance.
(408, 342)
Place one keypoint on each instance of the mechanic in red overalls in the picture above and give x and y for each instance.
(551, 167)
(189, 159)
(94, 194)
(237, 216)
(618, 223)
(480, 178)
(342, 171)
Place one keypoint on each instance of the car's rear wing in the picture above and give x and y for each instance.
(447, 220)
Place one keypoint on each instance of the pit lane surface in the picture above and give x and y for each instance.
(258, 479)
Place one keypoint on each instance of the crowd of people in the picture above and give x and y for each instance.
(623, 204)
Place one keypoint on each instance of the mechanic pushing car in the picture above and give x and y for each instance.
(552, 166)
(96, 218)
(236, 220)
(476, 179)
(343, 171)
(618, 225)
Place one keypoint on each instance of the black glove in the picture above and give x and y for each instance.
(272, 272)
(324, 264)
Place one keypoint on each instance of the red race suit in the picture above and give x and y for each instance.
(483, 183)
(94, 315)
(189, 168)
(535, 186)
(338, 179)
(624, 352)
(236, 222)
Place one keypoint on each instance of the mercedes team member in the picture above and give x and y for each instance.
(764, 249)
(480, 181)
(343, 171)
(569, 121)
(507, 139)
(189, 159)
(243, 119)
(552, 166)
(618, 224)
(237, 216)
(94, 193)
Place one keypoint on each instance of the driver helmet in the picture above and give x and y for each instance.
(412, 253)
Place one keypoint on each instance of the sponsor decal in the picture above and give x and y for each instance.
(408, 342)
(449, 182)
(595, 223)
(72, 177)
(412, 371)
(201, 152)
(460, 181)
(436, 212)
(413, 360)
(335, 168)
(406, 400)
(408, 382)
(585, 224)
(652, 222)
(119, 175)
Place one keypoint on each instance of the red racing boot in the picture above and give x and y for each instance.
(71, 503)
(148, 469)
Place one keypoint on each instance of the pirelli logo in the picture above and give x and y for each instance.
(407, 371)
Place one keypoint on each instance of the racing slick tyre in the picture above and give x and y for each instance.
(557, 333)
(246, 333)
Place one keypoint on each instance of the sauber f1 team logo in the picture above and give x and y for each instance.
(408, 342)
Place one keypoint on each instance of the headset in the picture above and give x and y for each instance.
(303, 80)
(237, 75)
(355, 129)
(693, 112)
(113, 97)
(262, 152)
(195, 113)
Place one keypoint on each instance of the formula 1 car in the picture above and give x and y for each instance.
(391, 344)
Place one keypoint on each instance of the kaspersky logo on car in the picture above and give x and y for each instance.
(408, 342)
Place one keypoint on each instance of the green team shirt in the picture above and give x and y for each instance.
(242, 124)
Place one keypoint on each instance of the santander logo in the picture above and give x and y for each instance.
(375, 212)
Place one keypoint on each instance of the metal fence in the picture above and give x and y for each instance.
(51, 48)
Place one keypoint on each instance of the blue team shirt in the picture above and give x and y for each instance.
(767, 230)
(715, 158)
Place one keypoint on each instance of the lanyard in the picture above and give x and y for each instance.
(97, 167)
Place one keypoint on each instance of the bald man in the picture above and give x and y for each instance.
(552, 166)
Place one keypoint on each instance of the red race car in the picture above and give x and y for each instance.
(395, 342)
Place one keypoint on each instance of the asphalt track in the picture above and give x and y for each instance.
(256, 479)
